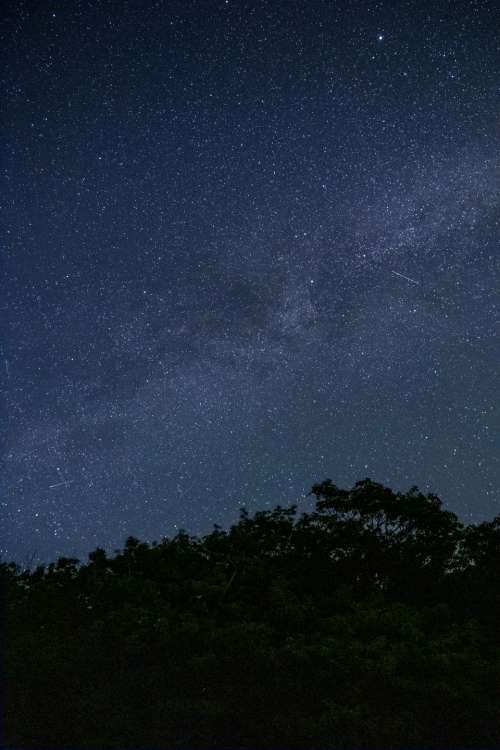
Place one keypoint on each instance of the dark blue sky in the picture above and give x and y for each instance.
(247, 246)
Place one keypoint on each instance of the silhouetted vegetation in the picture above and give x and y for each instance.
(372, 622)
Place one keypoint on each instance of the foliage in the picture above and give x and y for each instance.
(371, 622)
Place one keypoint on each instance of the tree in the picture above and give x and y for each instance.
(344, 628)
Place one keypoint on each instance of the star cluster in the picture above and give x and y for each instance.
(247, 246)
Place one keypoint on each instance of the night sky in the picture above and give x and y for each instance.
(247, 246)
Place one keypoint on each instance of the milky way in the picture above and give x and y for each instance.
(248, 246)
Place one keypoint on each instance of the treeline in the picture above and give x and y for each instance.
(372, 622)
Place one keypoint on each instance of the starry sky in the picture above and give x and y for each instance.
(247, 245)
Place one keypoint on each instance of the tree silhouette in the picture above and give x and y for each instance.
(370, 622)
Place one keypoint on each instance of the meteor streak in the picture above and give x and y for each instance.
(413, 281)
(60, 484)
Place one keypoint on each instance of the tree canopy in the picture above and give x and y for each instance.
(371, 622)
